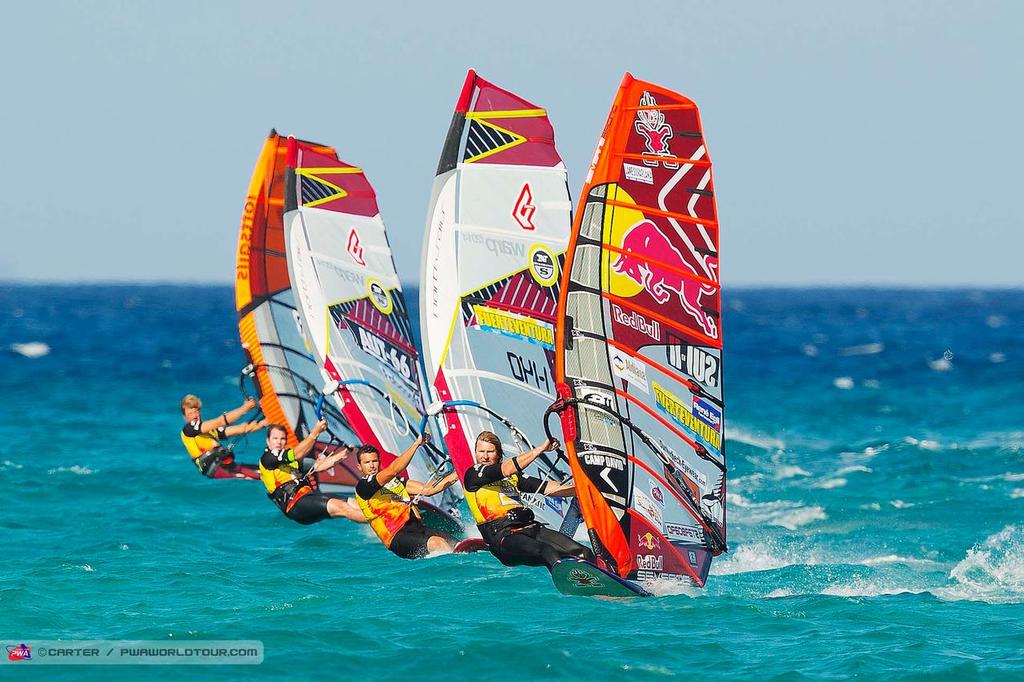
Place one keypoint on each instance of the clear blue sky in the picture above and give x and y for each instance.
(868, 142)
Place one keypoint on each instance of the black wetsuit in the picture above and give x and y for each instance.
(514, 540)
(306, 509)
(384, 506)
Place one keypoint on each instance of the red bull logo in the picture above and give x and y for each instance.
(648, 541)
(646, 252)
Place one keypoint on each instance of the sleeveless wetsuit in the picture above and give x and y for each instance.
(390, 515)
(302, 503)
(208, 456)
(491, 496)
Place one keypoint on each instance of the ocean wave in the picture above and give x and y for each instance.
(830, 483)
(32, 349)
(869, 588)
(897, 559)
(940, 365)
(900, 504)
(992, 571)
(1017, 492)
(844, 383)
(924, 444)
(741, 435)
(761, 556)
(785, 471)
(787, 514)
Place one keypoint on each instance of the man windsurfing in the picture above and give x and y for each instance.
(202, 438)
(508, 527)
(294, 492)
(392, 514)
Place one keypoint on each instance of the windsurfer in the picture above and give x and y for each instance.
(202, 438)
(493, 490)
(386, 504)
(295, 493)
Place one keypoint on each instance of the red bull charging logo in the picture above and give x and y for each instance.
(645, 253)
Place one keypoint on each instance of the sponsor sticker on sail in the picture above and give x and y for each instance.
(629, 369)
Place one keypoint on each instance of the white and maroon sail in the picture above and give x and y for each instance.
(497, 229)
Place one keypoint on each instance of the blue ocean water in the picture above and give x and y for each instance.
(876, 508)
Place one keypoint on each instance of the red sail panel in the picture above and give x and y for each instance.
(639, 342)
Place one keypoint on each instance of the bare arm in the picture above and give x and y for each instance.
(331, 460)
(228, 418)
(417, 488)
(398, 466)
(250, 427)
(303, 448)
(508, 467)
(552, 489)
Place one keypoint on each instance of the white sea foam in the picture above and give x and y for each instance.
(871, 383)
(940, 365)
(996, 358)
(830, 483)
(12, 465)
(900, 504)
(868, 588)
(924, 444)
(995, 321)
(809, 350)
(760, 556)
(897, 559)
(787, 514)
(854, 468)
(863, 349)
(871, 506)
(992, 571)
(741, 435)
(75, 469)
(32, 349)
(784, 471)
(779, 593)
(844, 383)
(1017, 492)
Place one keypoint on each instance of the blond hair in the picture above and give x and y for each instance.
(190, 401)
(492, 438)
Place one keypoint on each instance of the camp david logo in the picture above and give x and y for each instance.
(583, 579)
(379, 296)
(629, 369)
(638, 173)
(543, 265)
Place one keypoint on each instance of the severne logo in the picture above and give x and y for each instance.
(355, 248)
(524, 208)
(645, 254)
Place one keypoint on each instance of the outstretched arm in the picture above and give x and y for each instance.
(417, 488)
(303, 448)
(250, 427)
(229, 417)
(331, 460)
(398, 466)
(509, 466)
(552, 489)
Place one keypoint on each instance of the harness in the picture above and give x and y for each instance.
(286, 495)
(208, 461)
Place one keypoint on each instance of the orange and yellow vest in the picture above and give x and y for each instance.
(387, 510)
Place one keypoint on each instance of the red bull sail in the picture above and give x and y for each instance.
(639, 343)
